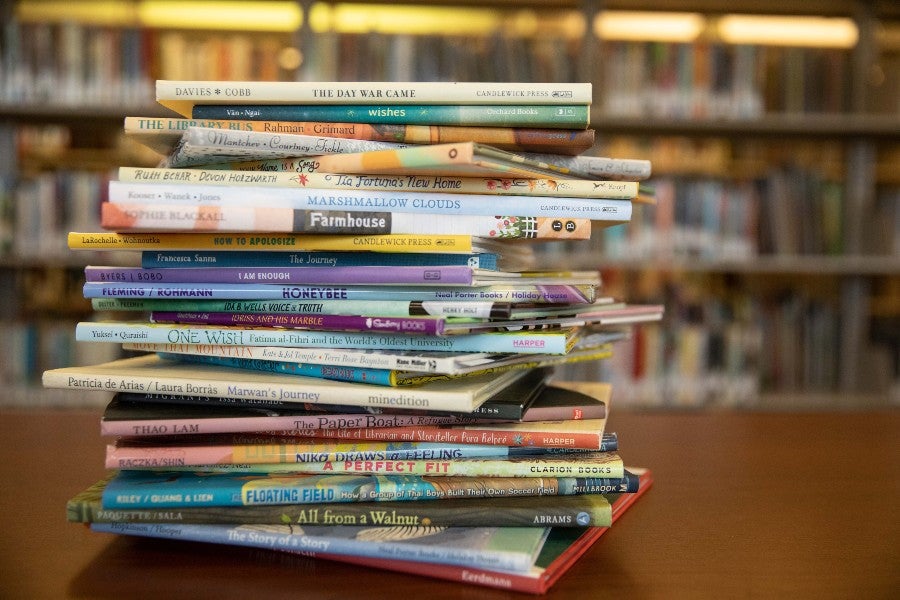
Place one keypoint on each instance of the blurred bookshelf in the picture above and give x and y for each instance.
(774, 243)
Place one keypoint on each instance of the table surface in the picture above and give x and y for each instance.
(744, 505)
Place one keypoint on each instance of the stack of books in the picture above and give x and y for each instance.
(344, 346)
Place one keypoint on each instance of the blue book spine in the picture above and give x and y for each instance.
(567, 116)
(371, 376)
(205, 258)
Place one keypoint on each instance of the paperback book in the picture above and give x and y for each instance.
(237, 258)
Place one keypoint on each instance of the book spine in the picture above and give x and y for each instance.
(281, 537)
(570, 188)
(413, 325)
(162, 133)
(580, 464)
(145, 489)
(627, 169)
(267, 242)
(332, 356)
(551, 294)
(511, 437)
(582, 511)
(564, 116)
(162, 217)
(515, 342)
(366, 201)
(370, 376)
(409, 275)
(212, 258)
(286, 452)
(201, 145)
(369, 308)
(378, 92)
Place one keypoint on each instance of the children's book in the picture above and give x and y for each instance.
(180, 96)
(511, 549)
(563, 548)
(562, 116)
(139, 489)
(367, 202)
(129, 414)
(123, 217)
(237, 258)
(152, 374)
(547, 341)
(516, 186)
(162, 133)
(207, 145)
(376, 275)
(558, 293)
(274, 241)
(586, 510)
(467, 159)
(265, 448)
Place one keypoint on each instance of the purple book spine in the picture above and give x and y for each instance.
(412, 325)
(414, 275)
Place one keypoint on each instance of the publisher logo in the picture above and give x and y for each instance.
(583, 519)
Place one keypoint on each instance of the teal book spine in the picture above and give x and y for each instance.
(569, 116)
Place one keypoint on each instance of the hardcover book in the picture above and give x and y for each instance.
(207, 145)
(365, 201)
(124, 217)
(563, 548)
(237, 258)
(162, 133)
(151, 374)
(129, 414)
(587, 510)
(467, 159)
(517, 186)
(550, 341)
(511, 549)
(562, 116)
(180, 96)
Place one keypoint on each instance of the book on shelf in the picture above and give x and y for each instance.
(131, 414)
(325, 200)
(586, 510)
(504, 548)
(208, 145)
(561, 116)
(545, 341)
(160, 217)
(162, 133)
(562, 549)
(466, 159)
(237, 258)
(151, 374)
(273, 241)
(181, 96)
(270, 453)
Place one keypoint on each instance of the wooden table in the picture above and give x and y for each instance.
(745, 505)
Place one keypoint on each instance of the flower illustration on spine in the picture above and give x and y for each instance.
(514, 227)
